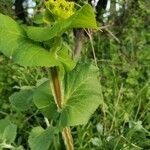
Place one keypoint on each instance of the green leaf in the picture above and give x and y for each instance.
(8, 131)
(41, 34)
(44, 101)
(40, 139)
(84, 18)
(38, 18)
(3, 124)
(22, 100)
(10, 35)
(48, 17)
(82, 95)
(65, 58)
(29, 54)
(14, 44)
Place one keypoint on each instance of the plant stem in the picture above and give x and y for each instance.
(56, 87)
(68, 140)
(58, 95)
(79, 39)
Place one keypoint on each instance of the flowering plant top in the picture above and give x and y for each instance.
(60, 9)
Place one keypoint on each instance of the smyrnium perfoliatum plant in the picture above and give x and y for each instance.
(72, 92)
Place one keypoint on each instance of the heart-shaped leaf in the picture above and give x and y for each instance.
(82, 95)
(40, 139)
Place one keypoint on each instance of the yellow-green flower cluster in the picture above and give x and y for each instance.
(61, 9)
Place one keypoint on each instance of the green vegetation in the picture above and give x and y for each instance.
(113, 76)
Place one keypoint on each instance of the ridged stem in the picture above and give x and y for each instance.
(56, 87)
(68, 140)
(58, 95)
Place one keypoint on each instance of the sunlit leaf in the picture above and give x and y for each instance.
(82, 95)
(84, 18)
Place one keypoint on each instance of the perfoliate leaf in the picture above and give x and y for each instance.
(41, 34)
(82, 95)
(8, 131)
(84, 18)
(22, 100)
(40, 139)
(15, 44)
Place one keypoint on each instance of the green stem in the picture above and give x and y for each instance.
(66, 133)
(68, 140)
(56, 87)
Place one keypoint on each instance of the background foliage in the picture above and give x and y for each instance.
(123, 120)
